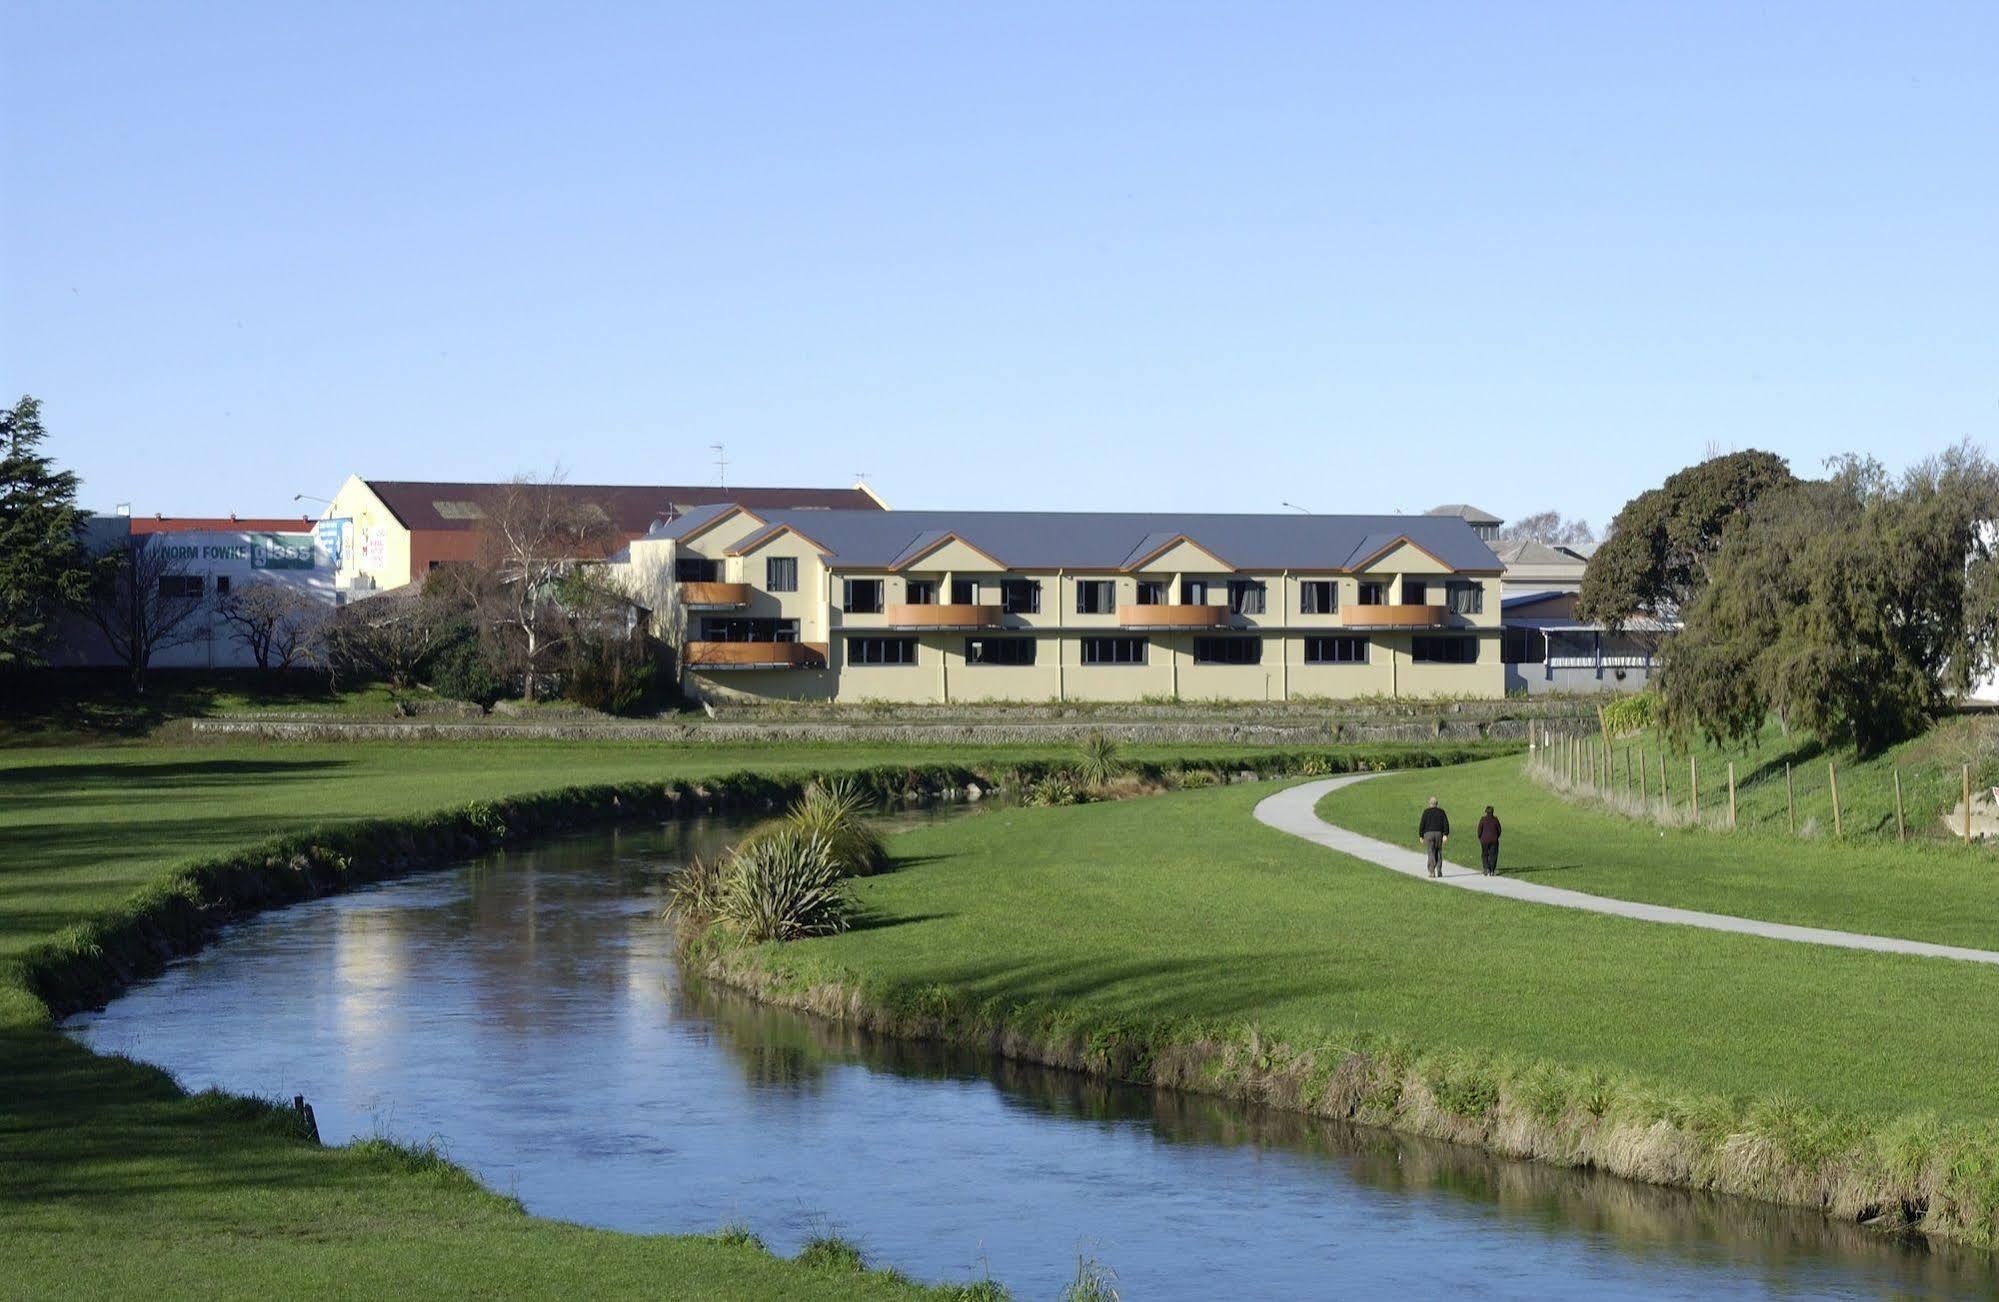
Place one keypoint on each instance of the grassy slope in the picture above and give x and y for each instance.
(1927, 890)
(1182, 908)
(112, 1181)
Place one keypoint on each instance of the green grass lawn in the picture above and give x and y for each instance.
(1926, 890)
(1181, 909)
(112, 1182)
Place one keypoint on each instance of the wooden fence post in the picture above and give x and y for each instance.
(1967, 804)
(1644, 796)
(1731, 795)
(1665, 797)
(1694, 789)
(1901, 832)
(1790, 801)
(1832, 776)
(1627, 773)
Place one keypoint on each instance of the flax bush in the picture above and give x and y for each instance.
(835, 810)
(784, 885)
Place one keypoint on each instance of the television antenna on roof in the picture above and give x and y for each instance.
(721, 465)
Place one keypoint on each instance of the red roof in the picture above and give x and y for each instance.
(222, 524)
(633, 508)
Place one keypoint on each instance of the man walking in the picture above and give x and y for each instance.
(1488, 841)
(1433, 831)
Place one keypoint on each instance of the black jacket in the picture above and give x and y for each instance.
(1434, 820)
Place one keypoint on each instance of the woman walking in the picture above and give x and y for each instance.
(1488, 842)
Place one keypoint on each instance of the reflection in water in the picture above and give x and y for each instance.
(526, 1013)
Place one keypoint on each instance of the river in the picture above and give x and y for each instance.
(525, 1014)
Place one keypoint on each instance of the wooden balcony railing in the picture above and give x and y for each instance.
(714, 596)
(755, 655)
(1395, 617)
(903, 615)
(1173, 617)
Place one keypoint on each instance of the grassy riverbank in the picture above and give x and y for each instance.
(1176, 940)
(1934, 890)
(112, 1181)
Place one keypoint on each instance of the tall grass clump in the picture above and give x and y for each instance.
(835, 810)
(782, 886)
(1101, 760)
(695, 890)
(1094, 1282)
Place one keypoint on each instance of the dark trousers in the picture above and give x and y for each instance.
(1488, 853)
(1433, 844)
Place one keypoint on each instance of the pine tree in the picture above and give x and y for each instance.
(43, 565)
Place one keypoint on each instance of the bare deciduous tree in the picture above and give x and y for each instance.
(274, 621)
(1548, 527)
(534, 532)
(389, 635)
(146, 601)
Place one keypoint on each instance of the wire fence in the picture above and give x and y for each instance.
(1639, 778)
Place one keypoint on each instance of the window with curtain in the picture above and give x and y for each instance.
(861, 596)
(1096, 596)
(781, 574)
(1246, 596)
(1318, 597)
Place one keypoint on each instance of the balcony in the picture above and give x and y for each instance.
(922, 618)
(755, 655)
(714, 596)
(1394, 618)
(1173, 617)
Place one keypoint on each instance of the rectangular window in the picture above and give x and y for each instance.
(1228, 650)
(781, 574)
(180, 587)
(1246, 596)
(1113, 650)
(920, 592)
(881, 650)
(1318, 597)
(1524, 646)
(1415, 592)
(222, 585)
(1444, 650)
(964, 592)
(693, 569)
(861, 596)
(1151, 592)
(1373, 593)
(1335, 650)
(1193, 592)
(1096, 596)
(725, 628)
(1465, 598)
(999, 650)
(1020, 597)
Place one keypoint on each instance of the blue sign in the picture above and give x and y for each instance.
(331, 533)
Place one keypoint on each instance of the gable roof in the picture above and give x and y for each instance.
(633, 508)
(1465, 511)
(1111, 541)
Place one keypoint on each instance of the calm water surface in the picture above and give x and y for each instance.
(524, 1013)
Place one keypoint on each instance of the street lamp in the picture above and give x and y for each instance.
(1294, 506)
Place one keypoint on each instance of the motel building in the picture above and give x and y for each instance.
(942, 606)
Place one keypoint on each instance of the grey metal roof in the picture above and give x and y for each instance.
(1465, 511)
(1046, 540)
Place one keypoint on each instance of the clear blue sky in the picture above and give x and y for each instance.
(1063, 256)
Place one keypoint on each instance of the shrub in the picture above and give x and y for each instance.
(783, 885)
(1101, 760)
(835, 810)
(1631, 713)
(1052, 790)
(695, 890)
(613, 675)
(464, 672)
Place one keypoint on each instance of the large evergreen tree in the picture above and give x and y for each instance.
(1657, 555)
(43, 565)
(1857, 607)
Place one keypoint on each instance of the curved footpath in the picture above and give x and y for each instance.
(1293, 810)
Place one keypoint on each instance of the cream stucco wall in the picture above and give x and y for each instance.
(377, 551)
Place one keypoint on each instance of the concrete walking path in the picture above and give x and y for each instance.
(1292, 810)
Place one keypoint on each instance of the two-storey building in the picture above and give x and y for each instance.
(936, 606)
